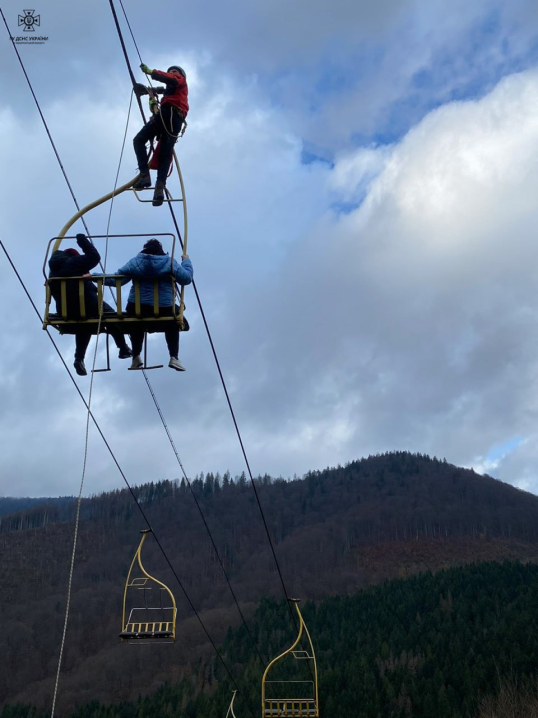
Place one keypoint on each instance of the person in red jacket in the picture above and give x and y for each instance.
(165, 124)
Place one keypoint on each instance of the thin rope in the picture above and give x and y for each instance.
(86, 444)
(75, 537)
(114, 190)
(132, 36)
(130, 30)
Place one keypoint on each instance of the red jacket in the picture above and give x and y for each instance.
(176, 92)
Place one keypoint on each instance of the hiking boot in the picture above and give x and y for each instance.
(79, 367)
(143, 181)
(158, 195)
(125, 353)
(174, 363)
(137, 363)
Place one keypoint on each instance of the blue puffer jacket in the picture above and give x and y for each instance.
(146, 267)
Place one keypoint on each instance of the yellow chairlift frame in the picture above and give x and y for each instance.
(283, 707)
(168, 197)
(147, 623)
(151, 324)
(230, 713)
(122, 321)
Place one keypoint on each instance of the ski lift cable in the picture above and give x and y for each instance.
(217, 554)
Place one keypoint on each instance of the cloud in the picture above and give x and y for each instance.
(413, 316)
(248, 197)
(381, 301)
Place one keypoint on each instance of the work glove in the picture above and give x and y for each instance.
(81, 238)
(140, 89)
(145, 69)
(153, 106)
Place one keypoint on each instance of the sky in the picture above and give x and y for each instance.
(361, 183)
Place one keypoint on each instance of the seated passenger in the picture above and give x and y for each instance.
(70, 263)
(151, 263)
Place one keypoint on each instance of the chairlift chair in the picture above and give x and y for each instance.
(305, 703)
(65, 324)
(152, 607)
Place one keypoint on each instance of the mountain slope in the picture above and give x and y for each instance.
(335, 532)
(432, 645)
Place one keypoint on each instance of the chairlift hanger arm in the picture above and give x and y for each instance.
(296, 705)
(88, 207)
(137, 560)
(291, 648)
(230, 713)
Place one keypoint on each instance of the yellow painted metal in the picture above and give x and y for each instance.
(81, 303)
(47, 299)
(87, 208)
(167, 199)
(100, 297)
(156, 298)
(58, 242)
(63, 290)
(122, 321)
(184, 197)
(145, 629)
(63, 232)
(119, 309)
(230, 713)
(185, 236)
(138, 310)
(293, 707)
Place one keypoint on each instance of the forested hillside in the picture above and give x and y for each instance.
(432, 645)
(10, 505)
(335, 531)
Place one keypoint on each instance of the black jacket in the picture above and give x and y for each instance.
(64, 265)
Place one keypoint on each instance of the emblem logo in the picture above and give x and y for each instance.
(29, 20)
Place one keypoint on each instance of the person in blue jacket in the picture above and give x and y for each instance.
(148, 264)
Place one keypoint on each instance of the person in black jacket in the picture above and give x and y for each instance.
(70, 263)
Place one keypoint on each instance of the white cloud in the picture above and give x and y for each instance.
(422, 306)
(407, 324)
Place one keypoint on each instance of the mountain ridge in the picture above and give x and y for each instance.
(335, 532)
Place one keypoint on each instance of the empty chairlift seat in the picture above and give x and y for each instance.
(295, 697)
(149, 607)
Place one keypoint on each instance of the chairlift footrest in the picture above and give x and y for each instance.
(147, 635)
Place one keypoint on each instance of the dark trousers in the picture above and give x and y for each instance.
(83, 336)
(171, 334)
(166, 126)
